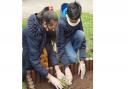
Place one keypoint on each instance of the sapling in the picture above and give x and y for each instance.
(64, 83)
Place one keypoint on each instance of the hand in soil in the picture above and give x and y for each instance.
(59, 74)
(68, 75)
(55, 82)
(82, 70)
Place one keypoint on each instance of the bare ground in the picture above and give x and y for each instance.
(86, 83)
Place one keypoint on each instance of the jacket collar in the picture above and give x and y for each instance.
(70, 23)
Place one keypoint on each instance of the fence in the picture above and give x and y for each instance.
(33, 77)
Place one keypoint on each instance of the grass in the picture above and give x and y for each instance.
(87, 20)
(24, 23)
(24, 86)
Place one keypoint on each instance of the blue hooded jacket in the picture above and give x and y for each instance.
(35, 38)
(64, 33)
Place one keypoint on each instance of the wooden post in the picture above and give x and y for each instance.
(87, 64)
(75, 68)
(91, 64)
(62, 68)
(38, 78)
(33, 76)
(71, 67)
(30, 84)
(51, 70)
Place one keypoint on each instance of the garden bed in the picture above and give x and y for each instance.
(42, 83)
(86, 83)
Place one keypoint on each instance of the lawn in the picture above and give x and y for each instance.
(87, 20)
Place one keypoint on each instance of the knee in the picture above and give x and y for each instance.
(79, 35)
(73, 58)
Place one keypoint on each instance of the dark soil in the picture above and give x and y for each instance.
(86, 83)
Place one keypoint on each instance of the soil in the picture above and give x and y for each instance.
(86, 83)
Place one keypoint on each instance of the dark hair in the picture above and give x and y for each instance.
(74, 10)
(47, 15)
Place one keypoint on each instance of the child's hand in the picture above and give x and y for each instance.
(68, 75)
(59, 74)
(81, 69)
(55, 81)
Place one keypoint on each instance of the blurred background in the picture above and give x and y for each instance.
(32, 6)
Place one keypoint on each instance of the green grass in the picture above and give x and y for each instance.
(24, 85)
(24, 23)
(87, 20)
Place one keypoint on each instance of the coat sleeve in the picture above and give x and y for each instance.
(61, 44)
(82, 53)
(34, 56)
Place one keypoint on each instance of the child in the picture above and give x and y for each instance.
(36, 36)
(71, 39)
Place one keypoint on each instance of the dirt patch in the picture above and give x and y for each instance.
(86, 83)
